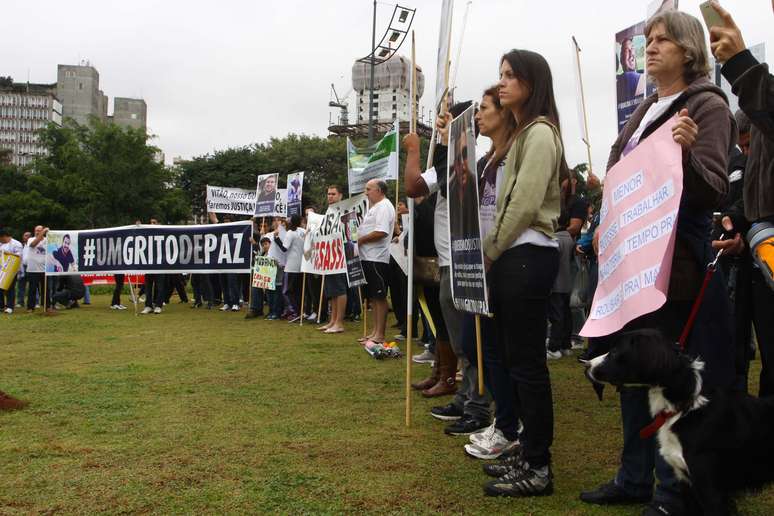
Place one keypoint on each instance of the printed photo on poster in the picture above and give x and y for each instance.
(295, 192)
(355, 275)
(266, 194)
(630, 71)
(468, 280)
(62, 250)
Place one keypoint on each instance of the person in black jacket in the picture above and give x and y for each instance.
(752, 83)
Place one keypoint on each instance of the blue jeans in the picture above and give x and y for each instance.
(496, 378)
(640, 457)
(230, 285)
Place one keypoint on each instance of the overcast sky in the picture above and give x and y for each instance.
(218, 75)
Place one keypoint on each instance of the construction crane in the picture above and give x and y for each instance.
(341, 103)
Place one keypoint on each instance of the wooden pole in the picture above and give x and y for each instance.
(479, 356)
(364, 311)
(301, 308)
(319, 304)
(45, 292)
(587, 139)
(410, 275)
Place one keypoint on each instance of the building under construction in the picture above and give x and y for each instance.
(392, 99)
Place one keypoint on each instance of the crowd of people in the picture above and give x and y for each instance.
(539, 223)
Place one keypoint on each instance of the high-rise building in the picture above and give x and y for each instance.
(77, 87)
(130, 112)
(24, 110)
(392, 80)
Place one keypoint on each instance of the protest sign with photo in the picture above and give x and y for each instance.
(377, 162)
(294, 193)
(238, 201)
(210, 248)
(264, 273)
(468, 280)
(630, 71)
(9, 266)
(355, 274)
(266, 195)
(638, 220)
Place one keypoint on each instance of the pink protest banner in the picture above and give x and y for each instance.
(637, 233)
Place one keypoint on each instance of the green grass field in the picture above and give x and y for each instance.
(197, 411)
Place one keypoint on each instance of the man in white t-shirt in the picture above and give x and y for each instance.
(9, 245)
(375, 233)
(36, 266)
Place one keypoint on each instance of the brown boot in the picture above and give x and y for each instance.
(429, 381)
(447, 367)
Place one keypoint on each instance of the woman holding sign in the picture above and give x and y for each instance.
(677, 62)
(522, 257)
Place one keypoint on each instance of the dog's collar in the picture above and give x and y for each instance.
(661, 418)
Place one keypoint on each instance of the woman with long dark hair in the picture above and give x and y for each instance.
(522, 257)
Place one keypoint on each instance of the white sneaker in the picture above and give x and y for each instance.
(146, 310)
(311, 317)
(224, 308)
(553, 355)
(121, 307)
(492, 447)
(114, 307)
(9, 310)
(157, 310)
(484, 434)
(235, 308)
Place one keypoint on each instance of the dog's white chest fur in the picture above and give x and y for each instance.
(672, 450)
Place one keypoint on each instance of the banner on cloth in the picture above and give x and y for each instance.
(221, 199)
(468, 280)
(149, 248)
(266, 195)
(264, 273)
(355, 274)
(109, 279)
(313, 223)
(377, 162)
(638, 221)
(295, 191)
(327, 253)
(398, 249)
(444, 37)
(9, 267)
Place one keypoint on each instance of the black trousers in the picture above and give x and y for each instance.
(154, 290)
(560, 317)
(176, 282)
(34, 286)
(119, 279)
(521, 281)
(8, 297)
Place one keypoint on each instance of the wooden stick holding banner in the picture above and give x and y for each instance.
(479, 356)
(410, 283)
(364, 311)
(586, 138)
(320, 303)
(303, 292)
(132, 293)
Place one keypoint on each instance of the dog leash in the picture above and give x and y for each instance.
(711, 268)
(665, 415)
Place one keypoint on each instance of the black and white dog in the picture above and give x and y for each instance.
(718, 442)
